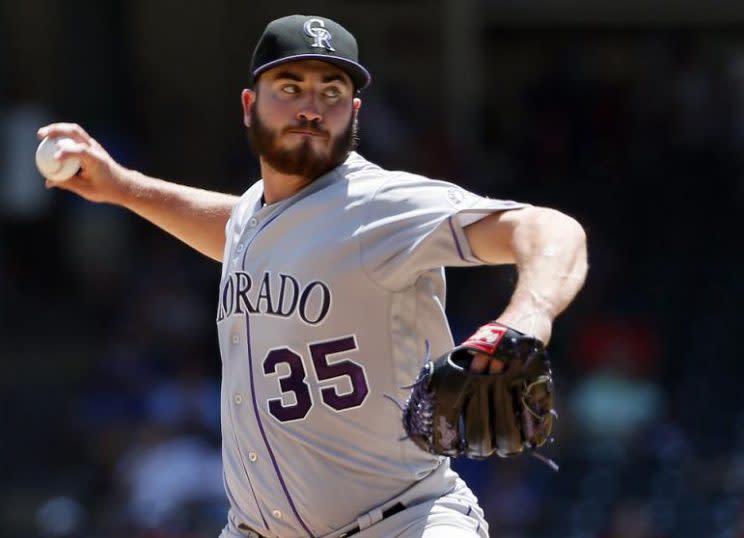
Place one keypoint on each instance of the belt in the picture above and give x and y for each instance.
(397, 507)
(249, 533)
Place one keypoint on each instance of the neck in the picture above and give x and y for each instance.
(278, 186)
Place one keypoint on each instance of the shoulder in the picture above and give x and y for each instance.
(406, 191)
(376, 183)
(385, 192)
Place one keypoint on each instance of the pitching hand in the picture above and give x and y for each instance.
(100, 179)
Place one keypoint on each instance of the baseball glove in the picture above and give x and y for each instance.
(452, 411)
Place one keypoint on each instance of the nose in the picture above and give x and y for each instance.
(310, 111)
(309, 115)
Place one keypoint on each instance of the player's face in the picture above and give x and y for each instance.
(302, 119)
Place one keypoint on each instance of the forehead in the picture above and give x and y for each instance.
(307, 70)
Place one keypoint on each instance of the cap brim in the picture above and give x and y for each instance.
(358, 74)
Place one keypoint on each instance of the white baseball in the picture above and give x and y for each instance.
(52, 168)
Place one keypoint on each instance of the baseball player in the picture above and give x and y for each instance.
(332, 290)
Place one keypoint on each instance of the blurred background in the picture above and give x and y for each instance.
(628, 116)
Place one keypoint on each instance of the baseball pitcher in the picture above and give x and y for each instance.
(331, 308)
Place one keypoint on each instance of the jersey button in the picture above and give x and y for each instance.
(252, 456)
(235, 339)
(253, 222)
(277, 514)
(238, 399)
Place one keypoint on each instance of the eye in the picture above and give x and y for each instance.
(291, 88)
(332, 92)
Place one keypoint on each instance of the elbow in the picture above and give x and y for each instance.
(569, 230)
(575, 231)
(566, 243)
(559, 232)
(562, 225)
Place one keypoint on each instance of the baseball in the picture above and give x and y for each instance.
(52, 168)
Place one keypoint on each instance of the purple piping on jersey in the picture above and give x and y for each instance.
(263, 433)
(258, 504)
(250, 483)
(457, 242)
(470, 509)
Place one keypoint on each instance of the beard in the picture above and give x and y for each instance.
(302, 160)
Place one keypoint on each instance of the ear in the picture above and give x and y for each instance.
(247, 97)
(356, 104)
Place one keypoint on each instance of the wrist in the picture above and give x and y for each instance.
(127, 183)
(533, 322)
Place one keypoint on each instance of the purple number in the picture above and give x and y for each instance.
(294, 382)
(324, 371)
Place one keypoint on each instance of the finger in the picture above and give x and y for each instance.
(51, 184)
(479, 364)
(73, 184)
(67, 151)
(483, 363)
(62, 128)
(71, 130)
(85, 154)
(495, 366)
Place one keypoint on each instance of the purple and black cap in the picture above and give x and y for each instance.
(309, 37)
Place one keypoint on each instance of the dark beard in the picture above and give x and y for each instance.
(302, 160)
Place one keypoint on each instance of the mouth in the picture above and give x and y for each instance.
(306, 132)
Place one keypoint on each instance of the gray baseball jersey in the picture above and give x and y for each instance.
(327, 302)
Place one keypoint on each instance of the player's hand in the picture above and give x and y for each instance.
(482, 364)
(451, 412)
(537, 324)
(101, 178)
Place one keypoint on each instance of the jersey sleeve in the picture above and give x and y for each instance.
(413, 224)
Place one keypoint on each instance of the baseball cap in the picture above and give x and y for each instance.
(309, 37)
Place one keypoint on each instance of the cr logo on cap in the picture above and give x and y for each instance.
(315, 28)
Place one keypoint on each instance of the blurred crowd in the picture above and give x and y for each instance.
(109, 358)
